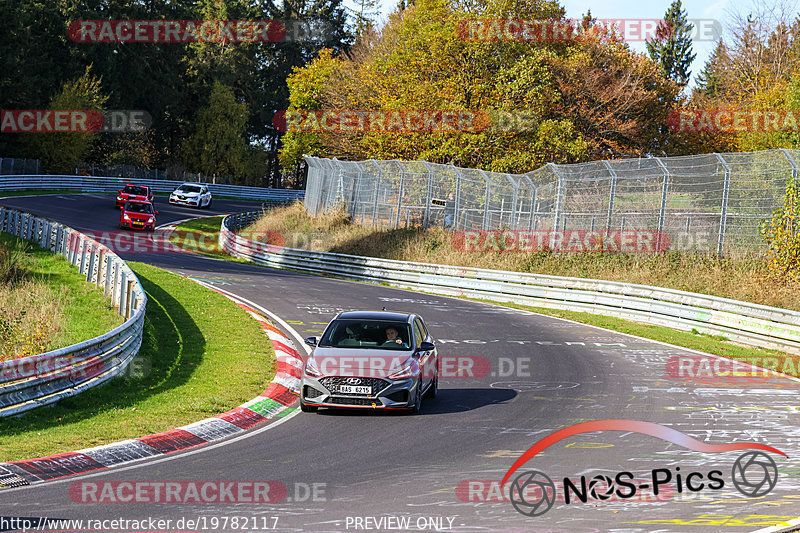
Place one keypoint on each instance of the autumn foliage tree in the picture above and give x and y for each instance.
(591, 97)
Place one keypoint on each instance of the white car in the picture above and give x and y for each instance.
(191, 194)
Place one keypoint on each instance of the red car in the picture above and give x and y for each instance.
(138, 215)
(139, 193)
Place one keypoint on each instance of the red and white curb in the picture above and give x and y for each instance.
(271, 404)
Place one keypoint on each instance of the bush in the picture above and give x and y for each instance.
(13, 263)
(782, 234)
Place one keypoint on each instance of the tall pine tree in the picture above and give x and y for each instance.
(672, 48)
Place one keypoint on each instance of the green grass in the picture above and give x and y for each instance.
(201, 236)
(201, 354)
(88, 312)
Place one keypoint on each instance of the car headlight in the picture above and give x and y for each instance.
(409, 368)
(151, 220)
(120, 198)
(311, 369)
(126, 217)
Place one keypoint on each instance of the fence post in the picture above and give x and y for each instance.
(400, 192)
(457, 198)
(428, 196)
(723, 215)
(611, 195)
(533, 202)
(793, 163)
(663, 211)
(100, 271)
(486, 218)
(559, 208)
(377, 193)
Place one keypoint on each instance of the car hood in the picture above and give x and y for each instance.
(139, 216)
(139, 197)
(360, 362)
(189, 194)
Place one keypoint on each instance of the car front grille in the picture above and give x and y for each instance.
(332, 384)
(355, 401)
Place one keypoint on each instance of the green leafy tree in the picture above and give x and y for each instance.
(672, 48)
(218, 145)
(61, 152)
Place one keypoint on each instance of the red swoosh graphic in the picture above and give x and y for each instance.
(635, 426)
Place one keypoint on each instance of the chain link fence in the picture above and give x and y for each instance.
(703, 203)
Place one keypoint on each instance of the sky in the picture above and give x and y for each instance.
(720, 10)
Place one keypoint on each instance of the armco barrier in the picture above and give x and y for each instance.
(741, 322)
(113, 184)
(42, 379)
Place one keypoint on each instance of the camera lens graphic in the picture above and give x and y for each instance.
(754, 474)
(532, 493)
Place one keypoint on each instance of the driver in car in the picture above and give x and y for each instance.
(392, 337)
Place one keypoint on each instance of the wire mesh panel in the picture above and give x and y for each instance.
(705, 203)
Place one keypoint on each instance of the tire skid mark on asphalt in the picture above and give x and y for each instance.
(273, 403)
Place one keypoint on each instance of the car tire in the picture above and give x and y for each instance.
(208, 205)
(434, 388)
(308, 408)
(417, 407)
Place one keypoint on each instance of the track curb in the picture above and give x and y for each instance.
(271, 404)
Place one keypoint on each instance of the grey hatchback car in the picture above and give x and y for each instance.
(371, 360)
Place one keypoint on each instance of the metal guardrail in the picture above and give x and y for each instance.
(741, 322)
(37, 380)
(113, 184)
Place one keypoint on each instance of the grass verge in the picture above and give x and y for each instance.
(201, 355)
(69, 310)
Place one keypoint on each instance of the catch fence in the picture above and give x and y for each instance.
(704, 203)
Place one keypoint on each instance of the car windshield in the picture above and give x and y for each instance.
(139, 207)
(380, 334)
(189, 188)
(138, 191)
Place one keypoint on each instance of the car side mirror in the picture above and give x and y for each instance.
(311, 341)
(156, 212)
(426, 347)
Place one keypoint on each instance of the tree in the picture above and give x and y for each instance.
(61, 152)
(672, 48)
(218, 144)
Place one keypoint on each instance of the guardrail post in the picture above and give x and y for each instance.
(24, 229)
(611, 195)
(559, 207)
(377, 193)
(400, 192)
(107, 278)
(723, 215)
(123, 293)
(792, 162)
(129, 299)
(663, 211)
(90, 266)
(43, 236)
(116, 297)
(428, 196)
(100, 270)
(81, 266)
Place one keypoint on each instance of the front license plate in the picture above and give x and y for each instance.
(355, 389)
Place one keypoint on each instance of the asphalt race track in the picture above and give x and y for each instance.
(367, 471)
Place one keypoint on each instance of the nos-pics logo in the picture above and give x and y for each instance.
(533, 492)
